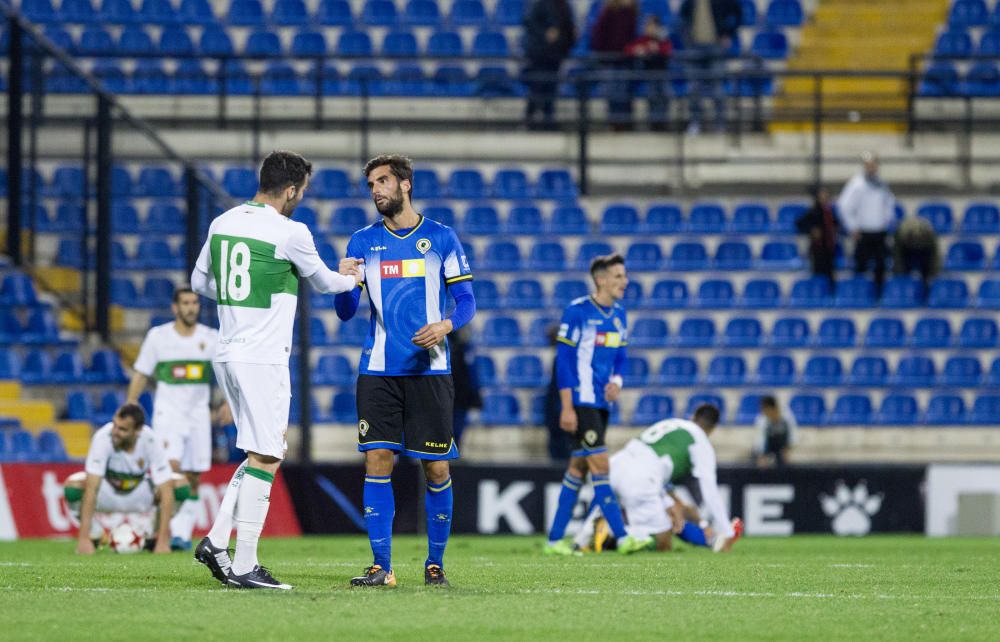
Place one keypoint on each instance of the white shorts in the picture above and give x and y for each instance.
(185, 439)
(140, 500)
(259, 396)
(638, 484)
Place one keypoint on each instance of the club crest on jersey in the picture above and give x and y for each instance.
(423, 245)
(363, 427)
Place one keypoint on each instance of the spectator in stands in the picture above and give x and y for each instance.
(820, 223)
(915, 248)
(776, 429)
(614, 29)
(651, 53)
(465, 380)
(867, 210)
(549, 35)
(560, 441)
(709, 28)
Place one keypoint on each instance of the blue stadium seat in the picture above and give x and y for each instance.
(978, 333)
(39, 11)
(215, 41)
(733, 255)
(18, 289)
(981, 218)
(121, 179)
(851, 409)
(509, 13)
(124, 293)
(157, 293)
(556, 184)
(945, 410)
(897, 410)
(706, 398)
(328, 254)
(156, 182)
(486, 371)
(695, 332)
(500, 409)
(948, 293)
(707, 218)
(308, 217)
(175, 41)
(307, 44)
(501, 332)
(444, 44)
(982, 80)
(646, 332)
(10, 328)
(989, 294)
(487, 294)
(823, 370)
(539, 331)
(466, 184)
(36, 368)
(95, 41)
(468, 13)
(678, 371)
(636, 372)
(330, 184)
(931, 332)
(67, 182)
(406, 79)
(482, 220)
(68, 218)
(77, 11)
(790, 332)
(119, 12)
(589, 251)
(196, 12)
(295, 408)
(750, 218)
(775, 370)
(41, 327)
(652, 408)
(964, 256)
(150, 78)
(954, 43)
(379, 13)
(124, 218)
(742, 333)
(526, 371)
(940, 79)
(715, 293)
(869, 371)
(134, 39)
(985, 410)
(688, 256)
(525, 294)
(989, 42)
(495, 81)
(166, 218)
(566, 291)
(50, 447)
(788, 215)
(524, 220)
(633, 295)
(813, 292)
(901, 292)
(835, 332)
(105, 368)
(885, 333)
(961, 372)
(158, 12)
(426, 184)
(780, 255)
(668, 294)
(354, 43)
(914, 371)
(22, 447)
(784, 13)
(968, 13)
(761, 293)
(289, 13)
(726, 371)
(246, 13)
(79, 406)
(353, 332)
(156, 254)
(421, 13)
(510, 184)
(644, 257)
(68, 369)
(662, 219)
(333, 370)
(262, 43)
(993, 376)
(548, 256)
(619, 218)
(770, 45)
(399, 44)
(489, 43)
(343, 408)
(240, 182)
(347, 219)
(808, 409)
(855, 292)
(938, 215)
(334, 13)
(747, 411)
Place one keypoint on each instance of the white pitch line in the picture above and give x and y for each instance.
(852, 566)
(8, 564)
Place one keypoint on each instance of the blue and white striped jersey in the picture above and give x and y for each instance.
(592, 342)
(406, 278)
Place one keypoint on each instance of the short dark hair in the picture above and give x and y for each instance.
(601, 263)
(183, 288)
(767, 401)
(399, 165)
(281, 170)
(707, 413)
(134, 412)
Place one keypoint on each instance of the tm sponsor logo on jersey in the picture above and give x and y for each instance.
(404, 269)
(608, 339)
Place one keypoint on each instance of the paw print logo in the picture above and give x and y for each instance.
(851, 510)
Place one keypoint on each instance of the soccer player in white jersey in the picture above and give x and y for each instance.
(251, 265)
(178, 355)
(126, 472)
(668, 452)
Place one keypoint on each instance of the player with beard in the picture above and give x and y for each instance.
(405, 392)
(251, 265)
(178, 355)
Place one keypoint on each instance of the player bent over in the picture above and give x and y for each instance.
(590, 355)
(251, 265)
(662, 455)
(178, 355)
(126, 472)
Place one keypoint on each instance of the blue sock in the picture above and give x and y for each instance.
(693, 535)
(564, 511)
(605, 498)
(380, 508)
(438, 504)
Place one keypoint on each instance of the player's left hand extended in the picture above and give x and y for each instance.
(162, 546)
(432, 334)
(611, 392)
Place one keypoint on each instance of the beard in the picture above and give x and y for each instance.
(392, 206)
(189, 321)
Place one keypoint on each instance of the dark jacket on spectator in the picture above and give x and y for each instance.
(614, 29)
(652, 53)
(543, 15)
(728, 15)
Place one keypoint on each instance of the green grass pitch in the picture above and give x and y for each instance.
(802, 588)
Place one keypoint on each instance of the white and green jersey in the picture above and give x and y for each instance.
(255, 257)
(182, 368)
(126, 470)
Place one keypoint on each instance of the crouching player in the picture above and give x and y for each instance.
(127, 471)
(665, 453)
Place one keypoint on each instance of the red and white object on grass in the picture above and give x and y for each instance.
(125, 540)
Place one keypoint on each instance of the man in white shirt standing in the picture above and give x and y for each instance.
(867, 210)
